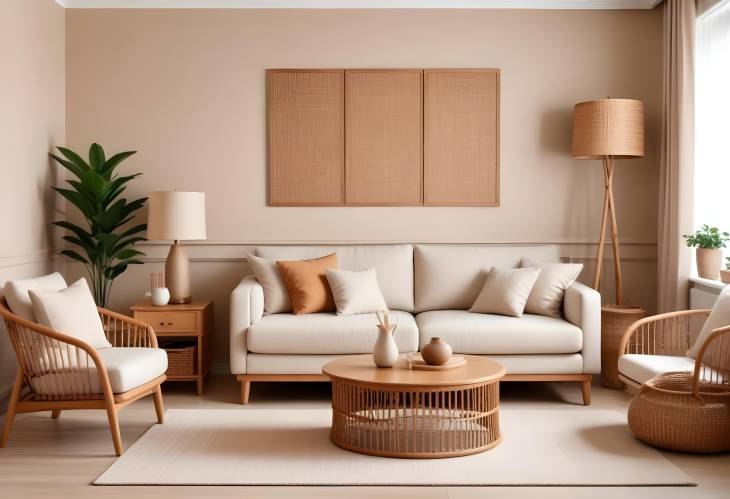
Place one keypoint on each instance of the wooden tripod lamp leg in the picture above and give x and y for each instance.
(602, 238)
(614, 233)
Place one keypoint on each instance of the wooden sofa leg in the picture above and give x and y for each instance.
(55, 413)
(12, 408)
(245, 391)
(585, 387)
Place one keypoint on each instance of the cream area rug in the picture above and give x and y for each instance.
(251, 446)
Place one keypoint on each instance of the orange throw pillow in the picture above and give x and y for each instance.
(307, 283)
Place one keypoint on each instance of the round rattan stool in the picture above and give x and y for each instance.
(667, 414)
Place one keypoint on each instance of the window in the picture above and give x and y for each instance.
(712, 118)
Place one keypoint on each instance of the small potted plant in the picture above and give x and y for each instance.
(725, 273)
(709, 242)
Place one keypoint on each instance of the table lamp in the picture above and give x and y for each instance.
(608, 129)
(177, 216)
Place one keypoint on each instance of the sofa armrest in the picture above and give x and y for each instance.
(582, 307)
(247, 307)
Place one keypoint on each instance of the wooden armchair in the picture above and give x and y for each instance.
(658, 344)
(61, 372)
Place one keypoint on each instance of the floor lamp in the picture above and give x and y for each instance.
(610, 129)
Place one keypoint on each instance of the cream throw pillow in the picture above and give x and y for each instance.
(16, 292)
(719, 317)
(276, 296)
(356, 291)
(71, 311)
(505, 291)
(546, 296)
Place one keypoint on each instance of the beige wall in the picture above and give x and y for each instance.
(32, 97)
(186, 88)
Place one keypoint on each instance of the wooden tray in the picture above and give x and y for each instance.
(453, 363)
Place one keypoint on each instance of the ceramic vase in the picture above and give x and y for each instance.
(436, 353)
(160, 296)
(385, 351)
(709, 263)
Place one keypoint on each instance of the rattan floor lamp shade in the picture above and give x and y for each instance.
(610, 129)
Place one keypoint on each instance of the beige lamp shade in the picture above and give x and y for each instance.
(608, 127)
(176, 215)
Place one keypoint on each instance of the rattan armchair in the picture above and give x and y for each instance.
(686, 410)
(58, 372)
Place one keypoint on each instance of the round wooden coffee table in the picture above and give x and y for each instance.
(397, 412)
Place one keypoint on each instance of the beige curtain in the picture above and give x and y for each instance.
(677, 155)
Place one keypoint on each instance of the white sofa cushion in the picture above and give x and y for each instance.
(327, 333)
(127, 368)
(546, 297)
(471, 333)
(392, 262)
(276, 294)
(505, 292)
(356, 291)
(449, 277)
(70, 311)
(16, 292)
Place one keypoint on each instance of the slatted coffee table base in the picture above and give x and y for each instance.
(432, 422)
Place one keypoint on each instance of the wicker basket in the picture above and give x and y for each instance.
(615, 319)
(666, 414)
(181, 360)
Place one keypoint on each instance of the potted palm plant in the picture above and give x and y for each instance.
(709, 242)
(105, 244)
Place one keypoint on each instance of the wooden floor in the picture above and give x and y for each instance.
(59, 458)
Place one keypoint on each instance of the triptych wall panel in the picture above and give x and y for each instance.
(461, 137)
(383, 137)
(306, 149)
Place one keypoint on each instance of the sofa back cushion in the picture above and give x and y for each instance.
(449, 277)
(393, 265)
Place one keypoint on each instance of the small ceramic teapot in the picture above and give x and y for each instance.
(436, 353)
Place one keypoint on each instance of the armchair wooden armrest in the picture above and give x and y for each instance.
(712, 362)
(663, 334)
(123, 331)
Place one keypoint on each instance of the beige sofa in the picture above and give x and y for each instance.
(429, 289)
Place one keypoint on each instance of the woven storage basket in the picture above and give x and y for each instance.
(181, 360)
(615, 319)
(666, 414)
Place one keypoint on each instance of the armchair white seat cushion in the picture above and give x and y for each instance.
(327, 333)
(127, 368)
(641, 368)
(473, 333)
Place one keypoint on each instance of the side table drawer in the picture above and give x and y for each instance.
(169, 321)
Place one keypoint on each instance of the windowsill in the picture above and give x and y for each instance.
(708, 283)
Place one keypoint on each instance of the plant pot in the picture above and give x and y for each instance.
(709, 263)
(725, 276)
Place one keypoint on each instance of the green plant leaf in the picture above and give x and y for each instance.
(96, 157)
(78, 200)
(75, 256)
(76, 170)
(74, 158)
(80, 233)
(127, 253)
(112, 162)
(134, 230)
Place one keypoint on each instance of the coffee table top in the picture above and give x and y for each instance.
(361, 368)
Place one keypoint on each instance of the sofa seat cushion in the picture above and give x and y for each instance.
(641, 368)
(327, 333)
(127, 368)
(472, 333)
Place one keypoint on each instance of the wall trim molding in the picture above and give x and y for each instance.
(27, 258)
(344, 242)
(360, 4)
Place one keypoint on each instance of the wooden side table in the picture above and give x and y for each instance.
(187, 323)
